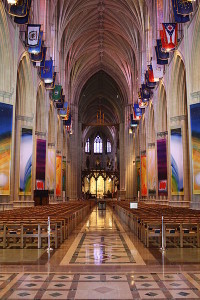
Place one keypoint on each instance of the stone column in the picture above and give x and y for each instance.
(129, 156)
(73, 157)
(122, 161)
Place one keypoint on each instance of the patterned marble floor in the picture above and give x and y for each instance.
(102, 240)
(102, 259)
(99, 286)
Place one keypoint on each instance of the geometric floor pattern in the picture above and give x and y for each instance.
(99, 286)
(102, 241)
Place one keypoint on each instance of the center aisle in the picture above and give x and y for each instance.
(102, 240)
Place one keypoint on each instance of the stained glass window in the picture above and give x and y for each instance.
(98, 145)
(87, 146)
(109, 148)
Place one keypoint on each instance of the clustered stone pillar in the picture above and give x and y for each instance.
(129, 156)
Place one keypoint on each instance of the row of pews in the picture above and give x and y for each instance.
(181, 225)
(28, 227)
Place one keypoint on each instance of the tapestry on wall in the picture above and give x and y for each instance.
(40, 164)
(26, 152)
(195, 132)
(51, 159)
(176, 149)
(58, 175)
(151, 171)
(143, 175)
(162, 167)
(6, 116)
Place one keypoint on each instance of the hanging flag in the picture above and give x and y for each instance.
(157, 70)
(169, 36)
(179, 18)
(150, 73)
(184, 7)
(59, 105)
(142, 104)
(137, 110)
(134, 123)
(51, 86)
(145, 93)
(36, 49)
(19, 9)
(23, 20)
(38, 57)
(68, 121)
(47, 71)
(57, 93)
(63, 112)
(159, 53)
(150, 85)
(33, 34)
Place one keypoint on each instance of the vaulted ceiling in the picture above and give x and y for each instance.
(101, 35)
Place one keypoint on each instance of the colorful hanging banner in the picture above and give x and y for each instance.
(195, 132)
(33, 34)
(169, 36)
(180, 18)
(143, 175)
(40, 164)
(47, 71)
(57, 93)
(176, 148)
(19, 9)
(162, 167)
(137, 110)
(151, 171)
(22, 20)
(26, 152)
(58, 175)
(6, 116)
(35, 50)
(51, 160)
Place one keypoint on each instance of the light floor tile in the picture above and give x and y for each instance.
(90, 277)
(169, 276)
(116, 277)
(61, 295)
(59, 285)
(183, 294)
(103, 290)
(142, 277)
(147, 285)
(151, 294)
(30, 285)
(176, 284)
(63, 277)
(23, 294)
(36, 277)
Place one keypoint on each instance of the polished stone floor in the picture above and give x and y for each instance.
(102, 259)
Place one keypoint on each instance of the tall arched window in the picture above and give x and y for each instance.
(87, 146)
(109, 147)
(98, 145)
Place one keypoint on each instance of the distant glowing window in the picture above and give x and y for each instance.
(87, 146)
(109, 148)
(98, 145)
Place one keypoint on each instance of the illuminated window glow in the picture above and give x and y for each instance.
(98, 145)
